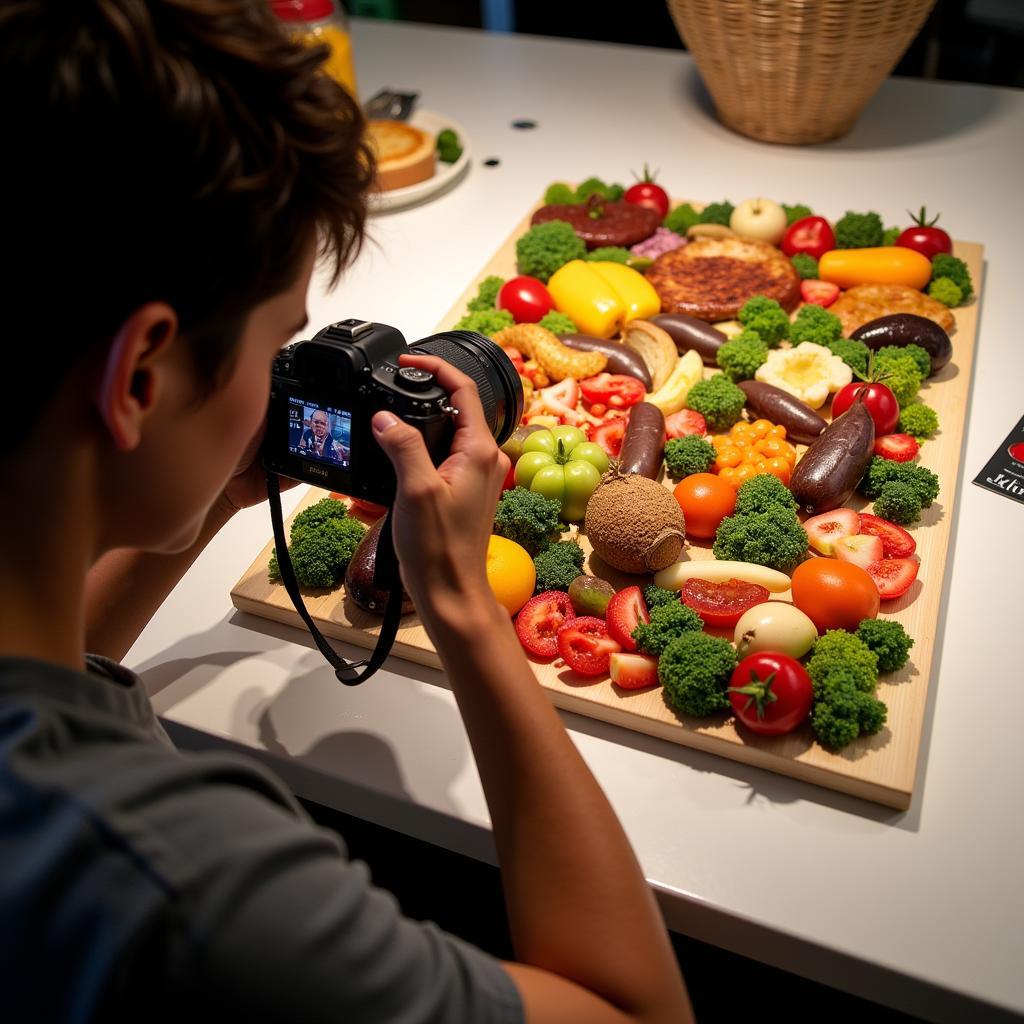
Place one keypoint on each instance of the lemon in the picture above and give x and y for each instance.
(510, 573)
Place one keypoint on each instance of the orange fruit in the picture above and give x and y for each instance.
(706, 500)
(510, 573)
(834, 594)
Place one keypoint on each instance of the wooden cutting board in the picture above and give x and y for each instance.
(880, 768)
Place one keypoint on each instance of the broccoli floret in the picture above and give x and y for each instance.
(718, 400)
(615, 253)
(773, 538)
(889, 235)
(486, 294)
(900, 372)
(918, 420)
(882, 471)
(687, 455)
(716, 213)
(845, 714)
(486, 321)
(762, 492)
(767, 317)
(668, 622)
(319, 513)
(528, 518)
(922, 360)
(858, 230)
(694, 670)
(945, 265)
(889, 641)
(805, 265)
(742, 354)
(558, 323)
(548, 246)
(838, 655)
(796, 212)
(595, 186)
(558, 565)
(854, 353)
(682, 218)
(559, 194)
(899, 503)
(655, 597)
(320, 551)
(816, 324)
(946, 291)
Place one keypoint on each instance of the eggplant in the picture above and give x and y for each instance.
(766, 401)
(621, 358)
(907, 329)
(644, 441)
(832, 467)
(690, 333)
(359, 583)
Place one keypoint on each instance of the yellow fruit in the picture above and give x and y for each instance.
(510, 573)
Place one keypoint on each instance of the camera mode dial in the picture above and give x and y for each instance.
(415, 379)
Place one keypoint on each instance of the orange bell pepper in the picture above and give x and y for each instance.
(883, 264)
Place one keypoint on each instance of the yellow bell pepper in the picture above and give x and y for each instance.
(600, 297)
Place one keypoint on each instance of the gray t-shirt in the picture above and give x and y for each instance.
(138, 880)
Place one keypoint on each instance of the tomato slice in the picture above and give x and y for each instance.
(721, 604)
(615, 390)
(893, 576)
(540, 619)
(819, 293)
(896, 542)
(683, 423)
(625, 611)
(585, 645)
(609, 435)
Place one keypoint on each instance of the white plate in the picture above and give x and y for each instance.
(444, 175)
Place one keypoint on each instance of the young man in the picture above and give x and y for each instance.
(171, 169)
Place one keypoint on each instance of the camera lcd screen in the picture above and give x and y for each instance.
(319, 432)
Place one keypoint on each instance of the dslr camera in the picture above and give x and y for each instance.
(325, 390)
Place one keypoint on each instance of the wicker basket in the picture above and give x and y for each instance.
(795, 71)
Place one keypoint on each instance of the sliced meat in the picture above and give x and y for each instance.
(599, 222)
(865, 302)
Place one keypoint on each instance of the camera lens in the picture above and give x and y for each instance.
(479, 358)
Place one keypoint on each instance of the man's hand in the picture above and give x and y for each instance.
(248, 483)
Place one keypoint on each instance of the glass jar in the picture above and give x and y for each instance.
(322, 21)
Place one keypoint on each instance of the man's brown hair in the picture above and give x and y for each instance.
(175, 150)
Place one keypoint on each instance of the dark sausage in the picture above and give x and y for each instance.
(766, 401)
(621, 358)
(644, 441)
(908, 329)
(689, 332)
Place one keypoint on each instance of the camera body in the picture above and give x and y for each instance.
(324, 392)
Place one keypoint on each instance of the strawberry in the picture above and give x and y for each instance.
(685, 422)
(824, 530)
(561, 400)
(585, 645)
(862, 549)
(819, 293)
(625, 611)
(898, 447)
(633, 671)
(609, 435)
(896, 542)
(893, 576)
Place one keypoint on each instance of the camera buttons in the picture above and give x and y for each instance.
(415, 379)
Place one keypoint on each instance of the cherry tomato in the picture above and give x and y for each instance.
(880, 401)
(585, 645)
(706, 500)
(540, 619)
(771, 693)
(526, 298)
(812, 235)
(834, 594)
(721, 604)
(647, 193)
(924, 237)
(615, 390)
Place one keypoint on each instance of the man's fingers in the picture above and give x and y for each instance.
(461, 390)
(404, 446)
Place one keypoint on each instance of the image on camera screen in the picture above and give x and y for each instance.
(319, 432)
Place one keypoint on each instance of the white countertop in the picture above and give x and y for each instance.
(924, 909)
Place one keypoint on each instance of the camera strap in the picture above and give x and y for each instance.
(385, 577)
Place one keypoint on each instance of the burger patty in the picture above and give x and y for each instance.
(600, 222)
(865, 302)
(711, 278)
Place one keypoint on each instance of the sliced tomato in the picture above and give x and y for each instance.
(585, 645)
(609, 435)
(812, 235)
(683, 423)
(898, 447)
(614, 390)
(862, 549)
(540, 619)
(825, 529)
(625, 611)
(561, 400)
(819, 293)
(633, 671)
(896, 542)
(893, 576)
(722, 604)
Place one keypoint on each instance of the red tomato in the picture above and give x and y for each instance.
(924, 237)
(722, 604)
(685, 422)
(609, 435)
(585, 645)
(770, 693)
(896, 542)
(819, 293)
(893, 576)
(540, 619)
(526, 298)
(880, 401)
(812, 235)
(646, 193)
(615, 390)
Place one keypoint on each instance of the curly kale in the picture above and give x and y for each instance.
(717, 213)
(761, 493)
(695, 670)
(889, 642)
(773, 538)
(838, 654)
(766, 317)
(528, 518)
(844, 714)
(614, 253)
(805, 265)
(900, 372)
(486, 294)
(321, 546)
(844, 673)
(742, 354)
(946, 291)
(718, 400)
(816, 324)
(546, 247)
(858, 230)
(486, 321)
(655, 597)
(558, 323)
(681, 219)
(685, 456)
(922, 360)
(854, 353)
(945, 265)
(796, 212)
(560, 194)
(668, 621)
(558, 565)
(595, 186)
(889, 235)
(899, 503)
(882, 471)
(918, 420)
(319, 513)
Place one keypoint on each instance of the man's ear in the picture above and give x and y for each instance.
(132, 373)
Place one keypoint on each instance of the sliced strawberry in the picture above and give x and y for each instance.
(625, 611)
(585, 645)
(540, 619)
(893, 576)
(898, 447)
(633, 671)
(819, 293)
(561, 400)
(685, 422)
(862, 549)
(896, 542)
(609, 435)
(823, 531)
